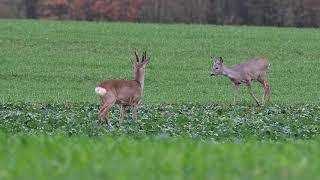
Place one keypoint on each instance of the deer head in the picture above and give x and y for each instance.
(139, 66)
(218, 67)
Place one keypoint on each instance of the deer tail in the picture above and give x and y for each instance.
(100, 91)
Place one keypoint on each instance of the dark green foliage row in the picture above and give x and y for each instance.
(199, 121)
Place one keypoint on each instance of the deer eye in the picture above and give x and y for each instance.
(217, 68)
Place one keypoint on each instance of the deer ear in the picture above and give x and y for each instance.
(221, 60)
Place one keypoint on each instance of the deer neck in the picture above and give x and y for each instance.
(230, 73)
(139, 77)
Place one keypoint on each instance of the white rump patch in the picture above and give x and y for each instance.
(100, 91)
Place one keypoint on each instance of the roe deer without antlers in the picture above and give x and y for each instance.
(122, 92)
(245, 72)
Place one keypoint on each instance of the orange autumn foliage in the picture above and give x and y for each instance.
(115, 10)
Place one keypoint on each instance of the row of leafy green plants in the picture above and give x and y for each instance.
(223, 123)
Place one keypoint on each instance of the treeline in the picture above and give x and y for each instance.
(300, 13)
(114, 10)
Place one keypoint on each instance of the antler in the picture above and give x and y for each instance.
(137, 57)
(144, 56)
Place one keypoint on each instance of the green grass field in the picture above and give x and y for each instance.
(187, 127)
(83, 158)
(63, 61)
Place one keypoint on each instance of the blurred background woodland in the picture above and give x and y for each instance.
(296, 13)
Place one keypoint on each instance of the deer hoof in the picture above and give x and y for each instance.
(99, 123)
(108, 124)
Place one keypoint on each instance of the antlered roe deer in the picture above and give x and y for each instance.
(122, 92)
(245, 72)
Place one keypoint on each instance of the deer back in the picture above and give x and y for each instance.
(251, 69)
(125, 91)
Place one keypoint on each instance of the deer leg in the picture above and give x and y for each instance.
(107, 116)
(100, 119)
(99, 122)
(101, 113)
(121, 114)
(266, 95)
(236, 93)
(109, 101)
(266, 90)
(102, 103)
(249, 84)
(134, 113)
(104, 112)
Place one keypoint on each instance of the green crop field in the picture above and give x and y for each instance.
(187, 128)
(108, 158)
(63, 61)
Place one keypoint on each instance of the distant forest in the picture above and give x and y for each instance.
(296, 13)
